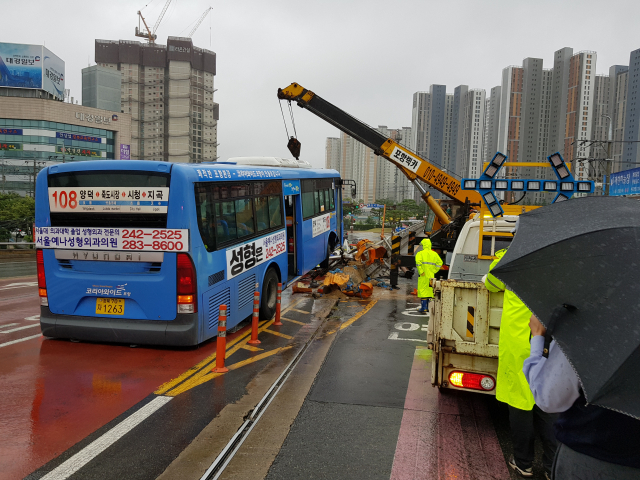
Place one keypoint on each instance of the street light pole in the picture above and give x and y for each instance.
(609, 160)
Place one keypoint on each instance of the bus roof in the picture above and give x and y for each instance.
(219, 171)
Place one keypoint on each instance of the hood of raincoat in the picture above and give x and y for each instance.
(426, 243)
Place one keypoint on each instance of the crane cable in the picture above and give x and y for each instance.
(283, 119)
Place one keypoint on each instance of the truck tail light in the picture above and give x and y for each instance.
(186, 286)
(42, 281)
(473, 381)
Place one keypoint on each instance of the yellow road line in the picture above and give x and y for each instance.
(251, 348)
(288, 337)
(292, 321)
(210, 375)
(299, 311)
(354, 318)
(211, 358)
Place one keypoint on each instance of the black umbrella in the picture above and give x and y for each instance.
(585, 254)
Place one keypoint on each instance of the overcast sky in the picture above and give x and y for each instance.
(367, 57)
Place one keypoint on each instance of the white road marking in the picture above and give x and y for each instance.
(406, 326)
(33, 318)
(19, 340)
(394, 336)
(414, 313)
(19, 285)
(20, 328)
(95, 448)
(8, 325)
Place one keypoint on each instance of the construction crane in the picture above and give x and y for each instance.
(139, 33)
(410, 164)
(149, 34)
(193, 30)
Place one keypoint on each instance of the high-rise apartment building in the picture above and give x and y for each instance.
(631, 152)
(390, 182)
(332, 154)
(168, 90)
(470, 138)
(492, 124)
(619, 79)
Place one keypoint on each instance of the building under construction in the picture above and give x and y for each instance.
(168, 91)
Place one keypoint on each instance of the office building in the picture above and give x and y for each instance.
(390, 182)
(168, 90)
(470, 134)
(101, 88)
(619, 80)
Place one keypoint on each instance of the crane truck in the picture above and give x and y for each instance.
(464, 325)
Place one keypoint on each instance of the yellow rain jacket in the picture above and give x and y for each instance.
(514, 346)
(428, 263)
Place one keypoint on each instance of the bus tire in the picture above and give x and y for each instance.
(325, 262)
(269, 294)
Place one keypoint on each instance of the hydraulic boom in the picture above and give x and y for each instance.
(411, 165)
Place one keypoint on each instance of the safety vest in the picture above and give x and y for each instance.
(428, 263)
(514, 345)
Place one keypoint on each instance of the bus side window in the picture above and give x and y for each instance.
(331, 199)
(307, 204)
(244, 217)
(262, 213)
(316, 196)
(326, 201)
(225, 221)
(275, 211)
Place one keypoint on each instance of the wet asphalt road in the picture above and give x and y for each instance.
(348, 425)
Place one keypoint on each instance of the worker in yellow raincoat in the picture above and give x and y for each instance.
(511, 385)
(428, 263)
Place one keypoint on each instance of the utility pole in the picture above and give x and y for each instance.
(609, 160)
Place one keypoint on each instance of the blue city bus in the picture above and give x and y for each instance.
(145, 252)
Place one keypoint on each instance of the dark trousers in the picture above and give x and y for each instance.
(570, 464)
(524, 426)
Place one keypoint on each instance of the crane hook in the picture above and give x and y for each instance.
(294, 147)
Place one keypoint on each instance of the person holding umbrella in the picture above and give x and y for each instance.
(575, 265)
(595, 442)
(428, 263)
(511, 385)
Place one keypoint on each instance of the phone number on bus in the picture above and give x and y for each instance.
(139, 239)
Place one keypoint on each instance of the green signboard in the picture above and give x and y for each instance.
(11, 146)
(78, 151)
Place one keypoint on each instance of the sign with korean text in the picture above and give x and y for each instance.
(79, 151)
(10, 146)
(626, 182)
(109, 199)
(10, 131)
(405, 159)
(320, 224)
(291, 187)
(80, 138)
(125, 152)
(133, 239)
(246, 256)
(91, 118)
(31, 66)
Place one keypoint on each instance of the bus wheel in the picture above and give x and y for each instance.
(269, 294)
(325, 262)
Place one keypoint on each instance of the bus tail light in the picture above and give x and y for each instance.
(291, 250)
(473, 381)
(42, 281)
(187, 287)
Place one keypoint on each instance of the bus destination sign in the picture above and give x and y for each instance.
(109, 199)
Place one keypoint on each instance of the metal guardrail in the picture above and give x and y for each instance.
(17, 269)
(18, 245)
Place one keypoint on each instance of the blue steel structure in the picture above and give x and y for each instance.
(295, 236)
(488, 183)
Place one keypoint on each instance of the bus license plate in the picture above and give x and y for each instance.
(110, 306)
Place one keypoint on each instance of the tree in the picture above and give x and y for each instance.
(16, 212)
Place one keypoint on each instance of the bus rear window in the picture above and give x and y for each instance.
(100, 191)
